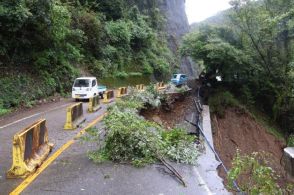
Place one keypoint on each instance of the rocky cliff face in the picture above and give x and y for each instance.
(177, 26)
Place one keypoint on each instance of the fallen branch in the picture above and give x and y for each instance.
(173, 170)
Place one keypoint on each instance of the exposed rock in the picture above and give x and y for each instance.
(177, 26)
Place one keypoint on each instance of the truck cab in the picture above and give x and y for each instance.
(84, 88)
(179, 79)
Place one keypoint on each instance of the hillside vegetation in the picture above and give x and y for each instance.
(45, 43)
(253, 53)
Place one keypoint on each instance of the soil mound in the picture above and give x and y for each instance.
(239, 130)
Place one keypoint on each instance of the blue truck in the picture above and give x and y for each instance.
(179, 79)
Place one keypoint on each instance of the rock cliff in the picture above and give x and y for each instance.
(177, 26)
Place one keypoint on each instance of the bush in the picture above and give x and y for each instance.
(258, 177)
(3, 111)
(23, 89)
(150, 97)
(131, 138)
(45, 42)
(220, 100)
(290, 141)
(121, 74)
(179, 146)
(135, 74)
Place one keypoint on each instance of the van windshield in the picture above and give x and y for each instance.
(82, 83)
(175, 76)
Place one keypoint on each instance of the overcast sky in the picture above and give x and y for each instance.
(198, 10)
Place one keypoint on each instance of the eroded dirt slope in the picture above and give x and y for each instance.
(239, 130)
(171, 118)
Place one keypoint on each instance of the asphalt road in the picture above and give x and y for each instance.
(73, 173)
(55, 114)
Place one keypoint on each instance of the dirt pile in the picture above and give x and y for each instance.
(239, 130)
(173, 117)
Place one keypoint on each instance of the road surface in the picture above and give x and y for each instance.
(73, 173)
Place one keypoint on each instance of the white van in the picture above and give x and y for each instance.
(85, 88)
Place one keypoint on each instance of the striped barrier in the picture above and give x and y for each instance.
(74, 116)
(122, 91)
(160, 86)
(140, 87)
(108, 96)
(94, 104)
(30, 148)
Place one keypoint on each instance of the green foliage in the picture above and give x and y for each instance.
(150, 97)
(180, 147)
(23, 90)
(131, 138)
(129, 104)
(253, 53)
(220, 100)
(253, 174)
(290, 141)
(268, 123)
(136, 74)
(3, 111)
(51, 40)
(220, 57)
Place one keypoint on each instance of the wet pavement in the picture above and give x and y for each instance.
(73, 173)
(82, 176)
(55, 116)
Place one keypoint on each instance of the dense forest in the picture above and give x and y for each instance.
(253, 53)
(44, 44)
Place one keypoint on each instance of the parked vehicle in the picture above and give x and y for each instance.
(179, 79)
(85, 88)
(101, 90)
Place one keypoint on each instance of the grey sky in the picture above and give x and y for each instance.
(198, 10)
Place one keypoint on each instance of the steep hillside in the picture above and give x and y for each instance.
(44, 45)
(253, 54)
(177, 26)
(239, 130)
(219, 19)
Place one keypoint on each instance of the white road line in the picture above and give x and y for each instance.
(25, 118)
(202, 182)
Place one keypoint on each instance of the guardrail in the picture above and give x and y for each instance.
(94, 104)
(74, 116)
(199, 131)
(122, 91)
(30, 148)
(108, 96)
